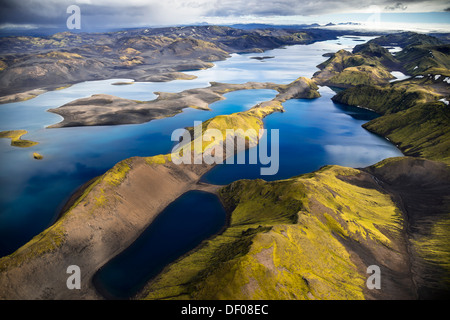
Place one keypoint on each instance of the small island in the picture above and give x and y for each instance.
(37, 156)
(262, 58)
(122, 83)
(15, 136)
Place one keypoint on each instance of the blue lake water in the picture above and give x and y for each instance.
(181, 227)
(33, 192)
(312, 133)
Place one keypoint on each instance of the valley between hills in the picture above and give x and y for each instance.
(311, 236)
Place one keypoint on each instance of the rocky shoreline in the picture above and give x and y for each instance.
(101, 109)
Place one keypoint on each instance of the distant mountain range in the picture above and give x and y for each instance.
(4, 32)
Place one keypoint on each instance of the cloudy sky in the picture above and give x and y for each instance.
(137, 13)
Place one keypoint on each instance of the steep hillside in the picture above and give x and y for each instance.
(370, 63)
(416, 114)
(420, 59)
(419, 52)
(404, 39)
(376, 51)
(313, 237)
(344, 69)
(422, 130)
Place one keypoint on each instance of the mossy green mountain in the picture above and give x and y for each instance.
(422, 130)
(419, 54)
(371, 63)
(414, 114)
(345, 69)
(312, 237)
(404, 39)
(415, 111)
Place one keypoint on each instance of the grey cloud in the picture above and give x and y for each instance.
(120, 13)
(34, 12)
(397, 6)
(53, 12)
(306, 7)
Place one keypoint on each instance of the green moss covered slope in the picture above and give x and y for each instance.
(291, 239)
(345, 69)
(415, 115)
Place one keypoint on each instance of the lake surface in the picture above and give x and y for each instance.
(33, 192)
(312, 133)
(181, 227)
